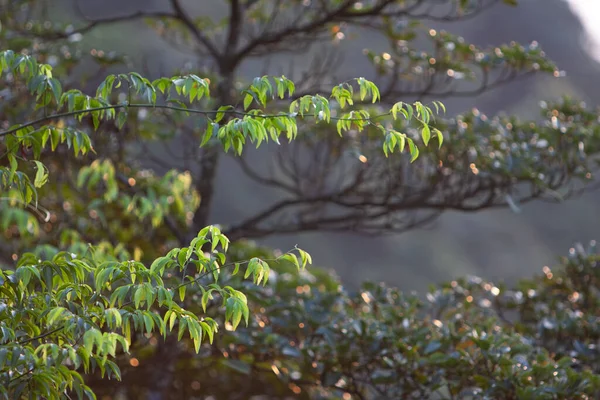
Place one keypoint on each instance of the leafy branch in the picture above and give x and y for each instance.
(206, 113)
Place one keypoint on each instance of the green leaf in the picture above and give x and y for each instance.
(410, 112)
(395, 108)
(114, 314)
(414, 151)
(375, 93)
(291, 258)
(55, 137)
(183, 256)
(211, 130)
(236, 269)
(172, 319)
(304, 257)
(363, 92)
(442, 106)
(138, 296)
(160, 264)
(221, 113)
(426, 134)
(440, 137)
(13, 166)
(182, 327)
(208, 330)
(55, 314)
(148, 323)
(247, 101)
(206, 296)
(121, 118)
(234, 309)
(41, 175)
(280, 88)
(91, 337)
(56, 89)
(252, 264)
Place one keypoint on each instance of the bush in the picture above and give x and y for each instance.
(310, 338)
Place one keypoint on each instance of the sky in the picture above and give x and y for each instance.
(588, 12)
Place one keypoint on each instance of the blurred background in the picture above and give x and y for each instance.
(499, 245)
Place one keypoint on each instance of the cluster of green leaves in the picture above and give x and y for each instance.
(64, 312)
(543, 153)
(452, 58)
(71, 312)
(344, 95)
(16, 218)
(254, 125)
(171, 194)
(469, 338)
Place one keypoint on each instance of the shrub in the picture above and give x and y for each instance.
(310, 338)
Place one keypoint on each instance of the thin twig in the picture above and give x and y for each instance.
(173, 108)
(43, 335)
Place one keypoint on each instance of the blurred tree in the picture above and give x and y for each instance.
(326, 183)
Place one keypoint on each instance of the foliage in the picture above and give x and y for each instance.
(254, 125)
(61, 311)
(107, 247)
(310, 338)
(69, 312)
(337, 184)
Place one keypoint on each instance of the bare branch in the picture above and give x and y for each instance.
(182, 16)
(311, 22)
(235, 26)
(179, 14)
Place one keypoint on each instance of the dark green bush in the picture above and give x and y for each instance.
(310, 338)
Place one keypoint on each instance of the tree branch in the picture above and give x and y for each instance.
(296, 33)
(235, 26)
(182, 16)
(179, 14)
